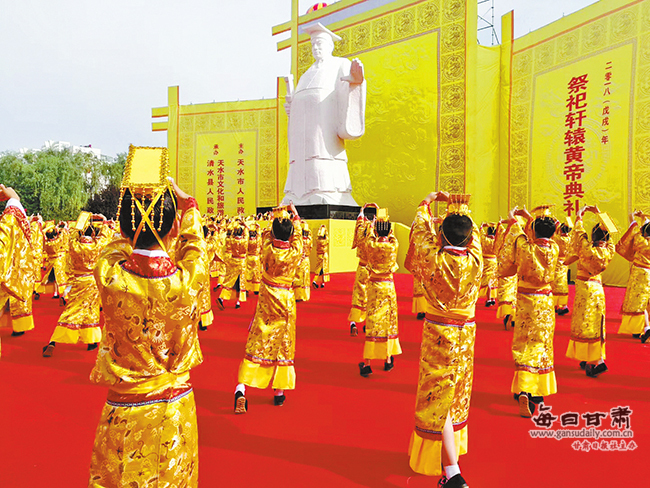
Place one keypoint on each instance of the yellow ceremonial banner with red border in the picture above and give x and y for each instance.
(225, 176)
(577, 116)
(580, 134)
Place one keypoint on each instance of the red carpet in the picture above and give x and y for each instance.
(336, 428)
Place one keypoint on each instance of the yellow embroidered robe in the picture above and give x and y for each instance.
(22, 318)
(302, 281)
(253, 264)
(147, 433)
(636, 249)
(534, 261)
(451, 278)
(235, 257)
(560, 285)
(489, 281)
(322, 259)
(382, 341)
(56, 251)
(587, 341)
(507, 285)
(16, 258)
(80, 318)
(360, 289)
(271, 343)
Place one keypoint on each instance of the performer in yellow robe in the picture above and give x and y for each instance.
(301, 283)
(38, 244)
(449, 264)
(507, 285)
(80, 318)
(205, 297)
(16, 254)
(234, 282)
(358, 311)
(560, 285)
(322, 275)
(635, 247)
(219, 253)
(147, 433)
(382, 341)
(533, 256)
(253, 266)
(489, 283)
(587, 343)
(56, 247)
(271, 343)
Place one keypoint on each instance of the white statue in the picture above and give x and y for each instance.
(327, 107)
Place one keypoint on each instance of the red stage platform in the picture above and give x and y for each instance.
(337, 428)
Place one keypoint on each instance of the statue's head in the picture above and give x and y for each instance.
(322, 41)
(322, 46)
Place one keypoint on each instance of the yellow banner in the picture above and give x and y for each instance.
(580, 134)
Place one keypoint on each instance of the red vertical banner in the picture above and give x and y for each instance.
(574, 139)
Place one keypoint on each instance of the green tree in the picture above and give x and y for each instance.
(58, 184)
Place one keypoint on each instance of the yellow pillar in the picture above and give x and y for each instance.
(507, 40)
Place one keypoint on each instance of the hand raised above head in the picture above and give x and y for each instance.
(6, 192)
(181, 197)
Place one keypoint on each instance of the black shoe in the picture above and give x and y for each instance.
(278, 400)
(257, 292)
(202, 327)
(420, 316)
(215, 288)
(645, 336)
(237, 305)
(562, 311)
(364, 370)
(37, 296)
(55, 297)
(636, 336)
(505, 321)
(516, 396)
(364, 328)
(241, 404)
(583, 364)
(314, 284)
(388, 365)
(92, 346)
(16, 334)
(594, 370)
(220, 303)
(62, 302)
(353, 329)
(456, 481)
(322, 285)
(526, 407)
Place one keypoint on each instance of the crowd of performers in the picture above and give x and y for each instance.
(150, 274)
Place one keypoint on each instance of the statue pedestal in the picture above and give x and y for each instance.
(323, 212)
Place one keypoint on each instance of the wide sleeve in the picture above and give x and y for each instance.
(351, 105)
(191, 247)
(514, 236)
(625, 246)
(16, 258)
(424, 244)
(295, 241)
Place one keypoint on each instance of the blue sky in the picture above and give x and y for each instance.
(90, 72)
